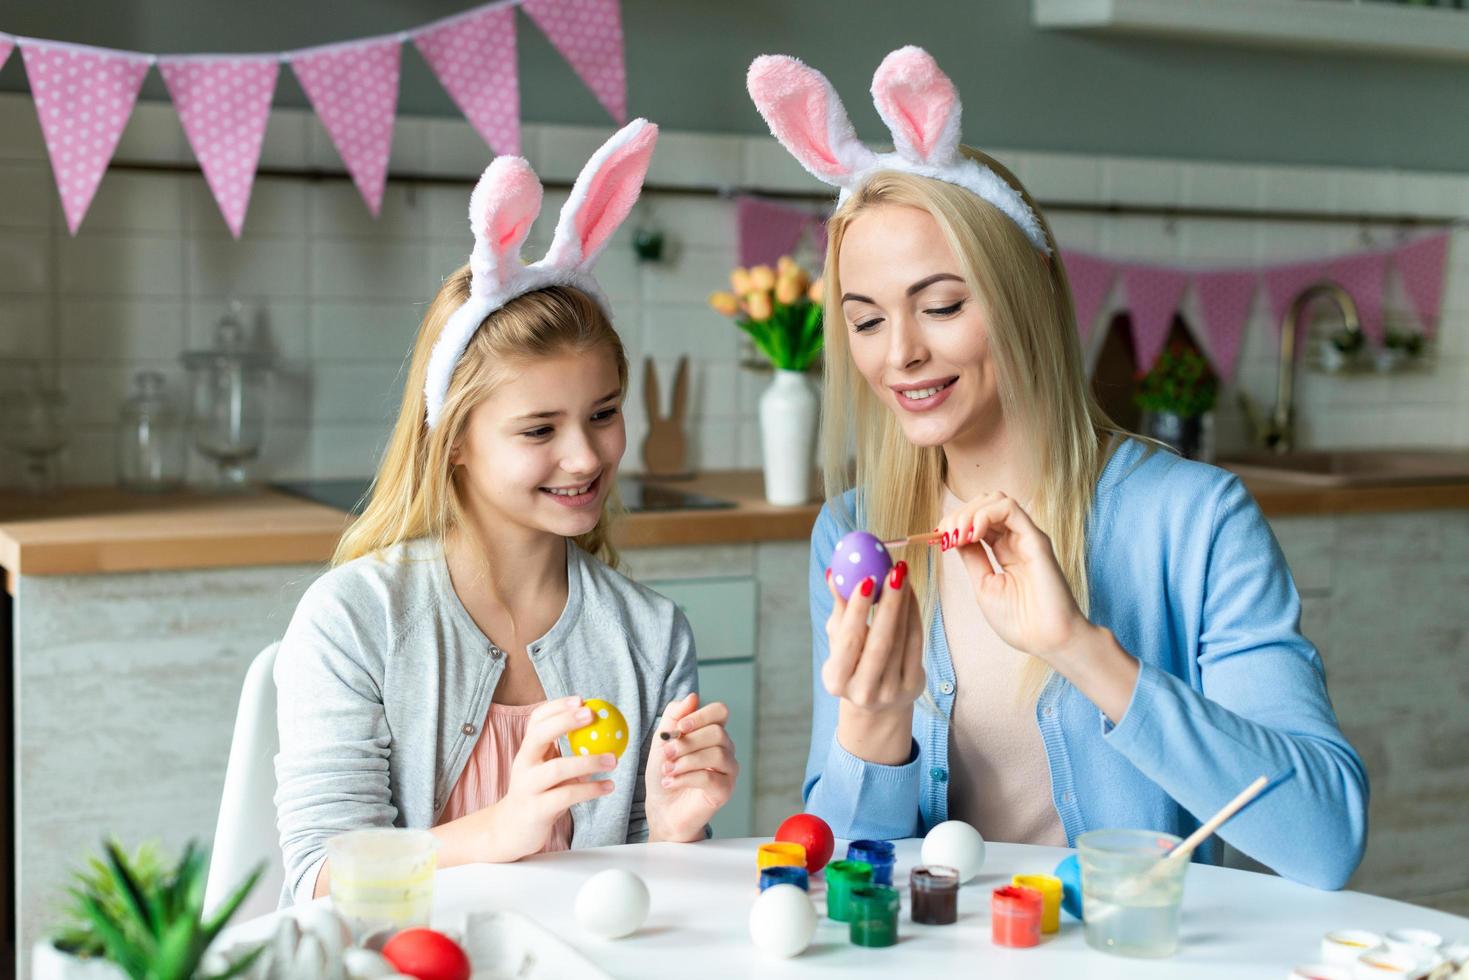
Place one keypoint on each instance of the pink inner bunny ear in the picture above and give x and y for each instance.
(805, 114)
(603, 195)
(502, 209)
(919, 104)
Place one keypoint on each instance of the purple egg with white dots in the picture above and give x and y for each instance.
(858, 556)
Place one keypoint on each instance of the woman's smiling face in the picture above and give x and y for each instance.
(918, 334)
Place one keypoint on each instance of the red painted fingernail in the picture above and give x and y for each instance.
(868, 584)
(944, 542)
(900, 572)
(828, 575)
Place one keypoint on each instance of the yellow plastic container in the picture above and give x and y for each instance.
(781, 854)
(1050, 888)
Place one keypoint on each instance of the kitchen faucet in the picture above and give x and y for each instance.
(1277, 433)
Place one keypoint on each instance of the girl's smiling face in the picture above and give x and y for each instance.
(917, 333)
(542, 449)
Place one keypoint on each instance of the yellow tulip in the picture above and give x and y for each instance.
(739, 280)
(817, 291)
(788, 289)
(785, 265)
(759, 305)
(762, 277)
(724, 303)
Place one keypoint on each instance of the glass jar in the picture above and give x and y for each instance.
(150, 438)
(230, 388)
(32, 426)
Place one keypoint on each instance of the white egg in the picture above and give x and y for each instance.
(612, 904)
(955, 844)
(782, 921)
(365, 964)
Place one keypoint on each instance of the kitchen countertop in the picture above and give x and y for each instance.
(104, 530)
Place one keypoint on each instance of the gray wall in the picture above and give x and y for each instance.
(1023, 88)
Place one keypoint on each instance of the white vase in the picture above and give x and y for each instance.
(50, 963)
(788, 411)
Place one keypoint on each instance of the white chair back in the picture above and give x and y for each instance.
(245, 833)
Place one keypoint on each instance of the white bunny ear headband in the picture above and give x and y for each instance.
(502, 209)
(919, 104)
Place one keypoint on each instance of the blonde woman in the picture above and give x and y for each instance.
(1107, 635)
(430, 678)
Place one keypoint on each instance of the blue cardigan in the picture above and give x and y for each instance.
(1187, 575)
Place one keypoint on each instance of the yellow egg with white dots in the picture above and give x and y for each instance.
(606, 733)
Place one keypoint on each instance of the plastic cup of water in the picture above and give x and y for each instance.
(383, 877)
(1131, 905)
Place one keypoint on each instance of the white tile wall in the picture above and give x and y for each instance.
(338, 295)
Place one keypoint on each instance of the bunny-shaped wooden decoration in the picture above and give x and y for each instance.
(665, 449)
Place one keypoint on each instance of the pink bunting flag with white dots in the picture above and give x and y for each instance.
(588, 33)
(1153, 295)
(224, 104)
(1420, 263)
(354, 90)
(474, 56)
(83, 97)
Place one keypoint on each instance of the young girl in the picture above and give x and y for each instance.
(1131, 657)
(428, 680)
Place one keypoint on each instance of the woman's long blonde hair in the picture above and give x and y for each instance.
(1042, 384)
(415, 493)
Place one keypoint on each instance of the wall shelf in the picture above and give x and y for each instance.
(1363, 26)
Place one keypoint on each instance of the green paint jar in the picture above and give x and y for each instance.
(873, 911)
(841, 878)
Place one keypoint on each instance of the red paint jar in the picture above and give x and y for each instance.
(1015, 916)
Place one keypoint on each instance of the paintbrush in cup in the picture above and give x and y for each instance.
(1186, 847)
(926, 539)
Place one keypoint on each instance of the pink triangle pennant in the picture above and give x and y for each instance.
(1226, 297)
(1283, 283)
(588, 33)
(83, 97)
(224, 104)
(1421, 264)
(1091, 282)
(768, 230)
(1153, 295)
(474, 57)
(354, 90)
(1362, 275)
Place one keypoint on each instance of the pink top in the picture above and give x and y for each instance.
(486, 775)
(999, 776)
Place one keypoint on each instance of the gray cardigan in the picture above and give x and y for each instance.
(384, 680)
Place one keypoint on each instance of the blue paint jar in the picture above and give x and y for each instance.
(879, 854)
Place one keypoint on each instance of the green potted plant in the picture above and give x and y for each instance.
(780, 310)
(134, 918)
(1175, 396)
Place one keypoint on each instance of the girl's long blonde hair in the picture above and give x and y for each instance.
(1042, 384)
(415, 493)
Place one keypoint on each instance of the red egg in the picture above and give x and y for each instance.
(812, 833)
(427, 955)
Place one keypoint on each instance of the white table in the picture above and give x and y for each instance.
(1236, 924)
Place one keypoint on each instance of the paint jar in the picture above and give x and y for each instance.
(1414, 940)
(873, 911)
(1388, 964)
(780, 854)
(935, 894)
(841, 878)
(784, 874)
(1015, 916)
(1050, 888)
(1343, 947)
(1130, 897)
(878, 853)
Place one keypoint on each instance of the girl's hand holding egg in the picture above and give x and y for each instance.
(691, 773)
(543, 783)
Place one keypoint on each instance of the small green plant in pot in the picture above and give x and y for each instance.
(1175, 395)
(146, 919)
